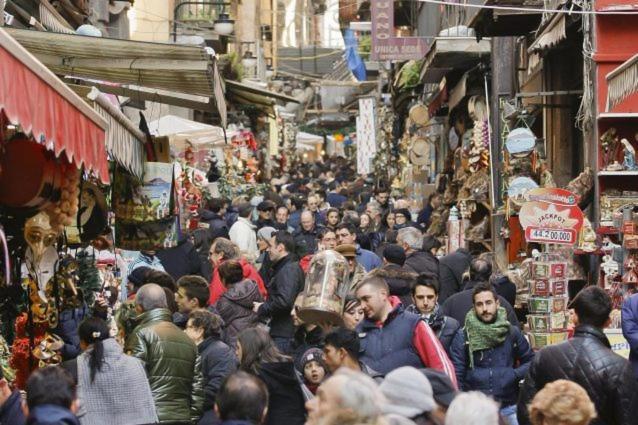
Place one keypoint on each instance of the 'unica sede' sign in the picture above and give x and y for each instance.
(385, 46)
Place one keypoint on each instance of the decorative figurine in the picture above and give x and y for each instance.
(629, 163)
(587, 237)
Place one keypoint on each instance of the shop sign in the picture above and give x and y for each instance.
(619, 344)
(552, 217)
(387, 47)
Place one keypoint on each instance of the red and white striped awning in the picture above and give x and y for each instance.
(34, 98)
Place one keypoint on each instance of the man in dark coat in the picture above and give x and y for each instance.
(212, 219)
(425, 293)
(587, 359)
(181, 260)
(489, 354)
(411, 239)
(451, 269)
(459, 304)
(400, 279)
(307, 236)
(630, 328)
(287, 282)
(217, 359)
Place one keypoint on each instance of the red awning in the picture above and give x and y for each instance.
(32, 96)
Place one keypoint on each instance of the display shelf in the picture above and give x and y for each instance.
(598, 252)
(617, 173)
(617, 115)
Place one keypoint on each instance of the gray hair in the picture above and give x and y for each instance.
(360, 394)
(226, 247)
(412, 237)
(374, 205)
(472, 408)
(151, 296)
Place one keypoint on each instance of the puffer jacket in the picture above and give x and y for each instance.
(50, 414)
(497, 371)
(400, 281)
(586, 359)
(236, 308)
(218, 361)
(172, 366)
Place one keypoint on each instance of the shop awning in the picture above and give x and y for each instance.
(172, 67)
(33, 97)
(550, 34)
(183, 132)
(247, 94)
(501, 22)
(124, 141)
(622, 82)
(452, 54)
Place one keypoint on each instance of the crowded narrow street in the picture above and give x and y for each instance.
(318, 212)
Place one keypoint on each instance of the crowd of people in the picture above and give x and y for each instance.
(211, 332)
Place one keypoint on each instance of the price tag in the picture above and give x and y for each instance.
(559, 236)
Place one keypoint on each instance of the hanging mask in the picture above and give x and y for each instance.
(39, 235)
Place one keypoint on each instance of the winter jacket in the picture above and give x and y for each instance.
(587, 360)
(368, 259)
(216, 225)
(287, 282)
(400, 280)
(497, 371)
(505, 288)
(181, 260)
(391, 346)
(304, 340)
(630, 328)
(67, 329)
(172, 366)
(218, 360)
(335, 199)
(445, 327)
(422, 262)
(243, 234)
(459, 304)
(306, 241)
(11, 410)
(286, 401)
(294, 220)
(451, 269)
(236, 308)
(50, 414)
(217, 288)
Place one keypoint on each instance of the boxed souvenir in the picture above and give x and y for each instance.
(547, 322)
(548, 270)
(539, 340)
(546, 304)
(325, 290)
(547, 287)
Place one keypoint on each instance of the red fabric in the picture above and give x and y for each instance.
(304, 263)
(28, 100)
(217, 288)
(429, 348)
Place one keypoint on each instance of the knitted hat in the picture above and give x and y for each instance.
(408, 392)
(404, 212)
(347, 250)
(265, 233)
(394, 253)
(313, 354)
(442, 387)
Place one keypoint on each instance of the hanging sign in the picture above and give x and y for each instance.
(551, 216)
(387, 47)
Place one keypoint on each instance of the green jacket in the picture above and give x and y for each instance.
(172, 366)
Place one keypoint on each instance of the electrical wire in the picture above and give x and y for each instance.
(532, 10)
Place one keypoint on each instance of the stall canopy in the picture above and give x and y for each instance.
(307, 142)
(184, 132)
(622, 82)
(452, 54)
(249, 94)
(495, 22)
(33, 97)
(180, 69)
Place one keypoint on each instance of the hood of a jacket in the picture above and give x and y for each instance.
(50, 414)
(246, 267)
(243, 293)
(208, 216)
(155, 315)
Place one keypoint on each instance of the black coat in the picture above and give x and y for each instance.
(459, 304)
(422, 262)
(306, 241)
(217, 226)
(305, 340)
(445, 327)
(505, 288)
(586, 359)
(451, 269)
(236, 308)
(287, 282)
(181, 260)
(218, 360)
(400, 281)
(286, 401)
(11, 410)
